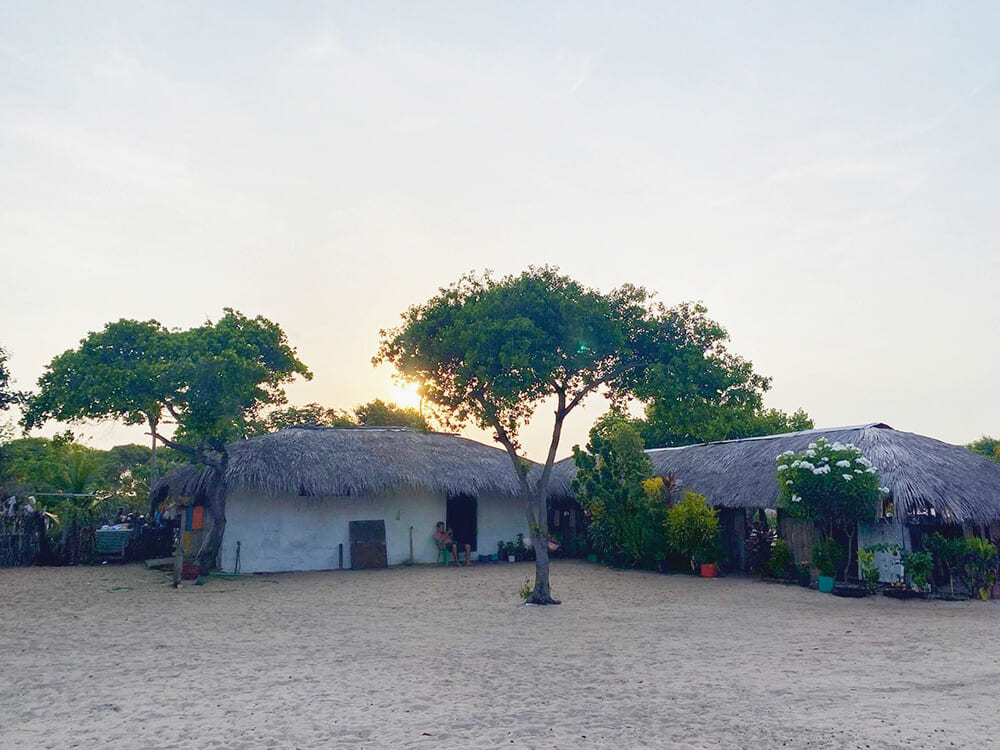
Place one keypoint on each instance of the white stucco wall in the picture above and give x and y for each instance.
(304, 533)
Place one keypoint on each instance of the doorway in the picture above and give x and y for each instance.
(461, 519)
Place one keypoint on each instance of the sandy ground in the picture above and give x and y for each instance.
(444, 657)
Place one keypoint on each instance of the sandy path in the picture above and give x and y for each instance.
(111, 656)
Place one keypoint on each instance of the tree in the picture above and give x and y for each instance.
(626, 520)
(490, 351)
(725, 403)
(214, 382)
(378, 413)
(375, 413)
(986, 446)
(832, 484)
(122, 373)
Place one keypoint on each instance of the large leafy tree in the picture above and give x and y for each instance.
(491, 351)
(213, 382)
(121, 373)
(724, 403)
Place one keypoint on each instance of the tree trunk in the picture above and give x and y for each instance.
(153, 469)
(216, 509)
(541, 594)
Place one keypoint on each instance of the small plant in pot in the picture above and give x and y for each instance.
(692, 527)
(868, 569)
(827, 555)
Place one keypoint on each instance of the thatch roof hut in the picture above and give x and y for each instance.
(301, 498)
(925, 477)
(352, 462)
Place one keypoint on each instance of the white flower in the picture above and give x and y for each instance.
(858, 471)
(825, 469)
(811, 453)
(870, 470)
(787, 453)
(847, 477)
(796, 499)
(805, 465)
(789, 481)
(844, 464)
(838, 446)
(863, 461)
(812, 446)
(884, 490)
(783, 467)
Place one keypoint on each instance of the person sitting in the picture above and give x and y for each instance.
(443, 540)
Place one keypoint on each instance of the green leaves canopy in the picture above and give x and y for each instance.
(490, 350)
(213, 380)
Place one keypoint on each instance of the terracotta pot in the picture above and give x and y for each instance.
(709, 570)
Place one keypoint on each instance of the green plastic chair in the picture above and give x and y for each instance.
(443, 555)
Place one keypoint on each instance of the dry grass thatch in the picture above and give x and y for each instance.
(922, 474)
(352, 461)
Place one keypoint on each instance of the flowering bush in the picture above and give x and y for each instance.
(832, 484)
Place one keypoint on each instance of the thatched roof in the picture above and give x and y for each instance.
(352, 461)
(922, 474)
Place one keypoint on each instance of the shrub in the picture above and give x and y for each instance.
(830, 483)
(827, 556)
(692, 528)
(759, 543)
(919, 566)
(869, 571)
(626, 512)
(980, 566)
(948, 554)
(782, 563)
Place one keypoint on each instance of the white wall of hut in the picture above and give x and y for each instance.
(287, 532)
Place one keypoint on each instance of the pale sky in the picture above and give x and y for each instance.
(823, 176)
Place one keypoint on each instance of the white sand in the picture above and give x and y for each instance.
(113, 657)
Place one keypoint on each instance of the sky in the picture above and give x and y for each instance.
(824, 177)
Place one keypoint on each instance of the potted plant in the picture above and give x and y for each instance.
(692, 530)
(708, 558)
(826, 557)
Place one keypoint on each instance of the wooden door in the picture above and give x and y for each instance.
(368, 545)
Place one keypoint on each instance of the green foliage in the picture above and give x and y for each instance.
(213, 380)
(693, 527)
(980, 566)
(868, 569)
(490, 350)
(626, 521)
(831, 483)
(378, 413)
(310, 415)
(986, 446)
(122, 373)
(759, 544)
(948, 554)
(782, 562)
(119, 476)
(918, 566)
(827, 557)
(526, 589)
(8, 396)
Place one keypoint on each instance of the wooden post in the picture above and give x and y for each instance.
(178, 558)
